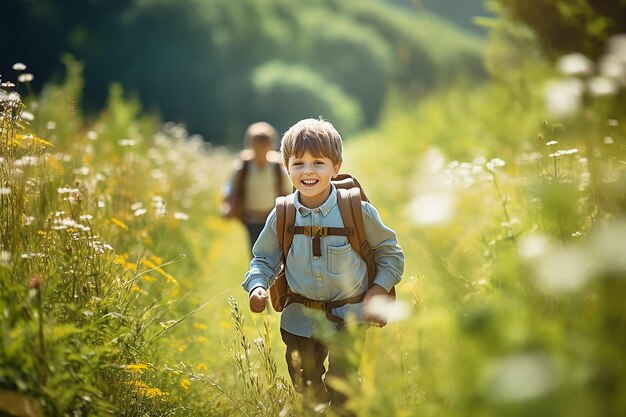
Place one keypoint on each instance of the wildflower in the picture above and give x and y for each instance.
(127, 142)
(26, 161)
(185, 384)
(564, 97)
(67, 190)
(532, 246)
(562, 269)
(181, 216)
(51, 125)
(432, 209)
(18, 66)
(520, 377)
(561, 152)
(146, 390)
(119, 223)
(495, 163)
(387, 309)
(608, 140)
(91, 135)
(160, 270)
(81, 171)
(602, 86)
(575, 64)
(140, 212)
(612, 66)
(32, 255)
(5, 190)
(25, 78)
(167, 324)
(551, 143)
(28, 116)
(147, 278)
(137, 368)
(200, 326)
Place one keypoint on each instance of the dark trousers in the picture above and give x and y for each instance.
(254, 230)
(305, 362)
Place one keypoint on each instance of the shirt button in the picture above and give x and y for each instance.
(318, 278)
(316, 210)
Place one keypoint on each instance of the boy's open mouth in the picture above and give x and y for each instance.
(309, 182)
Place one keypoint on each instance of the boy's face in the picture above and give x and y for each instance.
(311, 175)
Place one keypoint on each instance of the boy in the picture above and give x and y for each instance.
(257, 180)
(312, 155)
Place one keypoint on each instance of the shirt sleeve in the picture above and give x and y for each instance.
(388, 255)
(266, 259)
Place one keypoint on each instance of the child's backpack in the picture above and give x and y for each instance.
(349, 197)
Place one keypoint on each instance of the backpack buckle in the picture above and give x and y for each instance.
(315, 231)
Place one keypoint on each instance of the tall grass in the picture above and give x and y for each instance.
(120, 285)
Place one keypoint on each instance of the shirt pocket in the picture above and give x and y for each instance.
(341, 259)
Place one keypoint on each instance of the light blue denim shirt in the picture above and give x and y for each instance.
(339, 273)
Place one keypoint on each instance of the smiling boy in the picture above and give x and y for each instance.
(312, 154)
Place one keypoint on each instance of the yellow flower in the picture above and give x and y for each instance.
(149, 278)
(146, 390)
(201, 367)
(119, 223)
(200, 326)
(203, 340)
(137, 368)
(185, 383)
(160, 270)
(135, 288)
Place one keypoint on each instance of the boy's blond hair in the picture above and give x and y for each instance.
(317, 136)
(260, 131)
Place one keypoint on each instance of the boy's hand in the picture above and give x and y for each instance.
(258, 299)
(370, 313)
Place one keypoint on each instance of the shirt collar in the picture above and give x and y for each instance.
(325, 208)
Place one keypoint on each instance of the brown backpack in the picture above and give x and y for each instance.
(349, 197)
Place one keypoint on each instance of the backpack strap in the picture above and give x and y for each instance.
(285, 219)
(352, 215)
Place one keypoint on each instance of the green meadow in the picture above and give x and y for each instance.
(120, 284)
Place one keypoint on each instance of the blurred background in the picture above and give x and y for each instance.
(218, 65)
(490, 135)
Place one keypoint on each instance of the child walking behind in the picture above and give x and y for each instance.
(332, 271)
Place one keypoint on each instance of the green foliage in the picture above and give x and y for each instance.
(193, 61)
(568, 26)
(286, 91)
